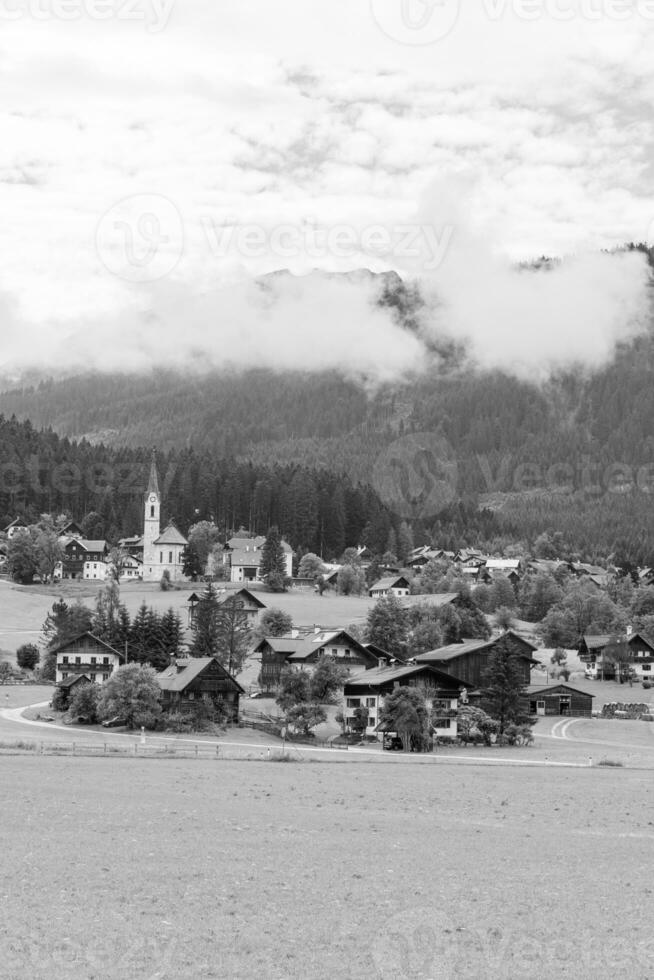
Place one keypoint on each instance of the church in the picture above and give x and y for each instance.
(162, 550)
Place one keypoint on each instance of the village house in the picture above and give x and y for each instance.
(16, 525)
(468, 660)
(303, 649)
(243, 556)
(396, 585)
(608, 656)
(369, 688)
(192, 680)
(86, 655)
(434, 600)
(508, 568)
(82, 559)
(241, 599)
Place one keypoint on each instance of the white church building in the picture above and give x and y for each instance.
(162, 550)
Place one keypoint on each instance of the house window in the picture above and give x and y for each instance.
(443, 723)
(152, 511)
(170, 557)
(105, 677)
(78, 660)
(354, 702)
(370, 702)
(65, 660)
(64, 676)
(105, 660)
(647, 666)
(94, 660)
(161, 557)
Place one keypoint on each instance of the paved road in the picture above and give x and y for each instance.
(13, 726)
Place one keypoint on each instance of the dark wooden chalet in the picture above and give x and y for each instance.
(305, 649)
(192, 679)
(468, 660)
(68, 686)
(559, 699)
(77, 551)
(241, 600)
(605, 654)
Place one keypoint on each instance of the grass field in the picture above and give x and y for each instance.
(169, 869)
(23, 609)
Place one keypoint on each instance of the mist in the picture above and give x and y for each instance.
(527, 321)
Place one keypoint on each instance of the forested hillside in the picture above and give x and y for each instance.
(103, 488)
(575, 453)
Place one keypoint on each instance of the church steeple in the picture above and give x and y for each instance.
(153, 482)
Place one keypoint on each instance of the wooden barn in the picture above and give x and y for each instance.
(468, 660)
(559, 699)
(192, 679)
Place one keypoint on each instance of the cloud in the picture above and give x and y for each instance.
(529, 321)
(313, 323)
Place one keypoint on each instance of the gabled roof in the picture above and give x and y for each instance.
(596, 641)
(231, 596)
(170, 535)
(85, 543)
(250, 558)
(379, 676)
(173, 679)
(314, 641)
(548, 688)
(18, 522)
(96, 639)
(435, 599)
(279, 644)
(388, 582)
(454, 650)
(502, 564)
(253, 544)
(74, 679)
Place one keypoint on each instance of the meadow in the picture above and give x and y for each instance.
(117, 868)
(23, 609)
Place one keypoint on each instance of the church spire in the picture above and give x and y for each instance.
(153, 482)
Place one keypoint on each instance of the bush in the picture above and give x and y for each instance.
(84, 703)
(59, 700)
(204, 716)
(647, 685)
(28, 656)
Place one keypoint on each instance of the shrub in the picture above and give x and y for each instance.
(59, 700)
(647, 685)
(28, 656)
(84, 703)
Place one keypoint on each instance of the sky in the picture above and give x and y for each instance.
(156, 155)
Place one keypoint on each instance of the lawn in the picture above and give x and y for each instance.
(117, 868)
(23, 609)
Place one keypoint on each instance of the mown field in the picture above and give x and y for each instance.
(23, 609)
(169, 869)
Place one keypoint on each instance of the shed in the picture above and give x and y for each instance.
(559, 699)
